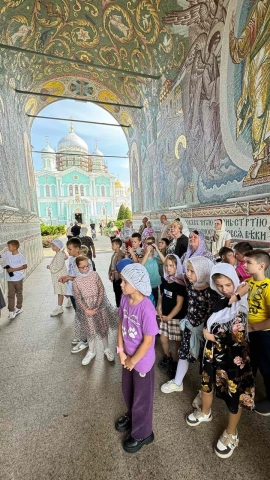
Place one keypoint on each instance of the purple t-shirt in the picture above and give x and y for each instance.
(137, 321)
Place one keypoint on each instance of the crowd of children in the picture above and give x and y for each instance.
(217, 314)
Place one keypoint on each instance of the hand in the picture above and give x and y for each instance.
(63, 279)
(122, 357)
(94, 256)
(208, 336)
(159, 312)
(48, 266)
(233, 299)
(155, 246)
(130, 250)
(164, 318)
(91, 312)
(149, 249)
(128, 364)
(9, 270)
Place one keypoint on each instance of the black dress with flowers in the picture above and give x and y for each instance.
(200, 307)
(226, 364)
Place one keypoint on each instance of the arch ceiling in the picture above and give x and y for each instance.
(125, 35)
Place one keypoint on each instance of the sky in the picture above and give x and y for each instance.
(111, 140)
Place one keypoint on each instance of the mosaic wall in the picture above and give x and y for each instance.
(199, 135)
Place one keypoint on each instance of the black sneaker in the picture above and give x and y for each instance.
(123, 424)
(263, 408)
(164, 363)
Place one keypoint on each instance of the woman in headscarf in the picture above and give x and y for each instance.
(197, 247)
(147, 232)
(88, 242)
(226, 367)
(179, 243)
(126, 233)
(94, 313)
(219, 238)
(201, 301)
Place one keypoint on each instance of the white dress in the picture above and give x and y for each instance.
(58, 269)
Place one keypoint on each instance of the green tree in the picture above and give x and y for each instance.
(128, 214)
(121, 213)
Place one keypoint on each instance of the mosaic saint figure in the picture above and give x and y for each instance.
(253, 47)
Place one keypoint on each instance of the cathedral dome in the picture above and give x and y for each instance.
(118, 184)
(73, 143)
(97, 152)
(47, 148)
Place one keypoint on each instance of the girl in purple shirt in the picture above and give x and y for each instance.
(136, 348)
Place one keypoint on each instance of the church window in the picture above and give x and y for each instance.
(76, 189)
(82, 190)
(47, 190)
(70, 189)
(103, 191)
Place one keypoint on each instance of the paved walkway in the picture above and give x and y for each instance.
(57, 417)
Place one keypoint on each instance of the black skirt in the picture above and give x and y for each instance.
(2, 300)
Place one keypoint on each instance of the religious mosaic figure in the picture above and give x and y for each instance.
(253, 47)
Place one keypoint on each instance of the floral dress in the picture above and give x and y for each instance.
(58, 269)
(89, 294)
(200, 307)
(226, 364)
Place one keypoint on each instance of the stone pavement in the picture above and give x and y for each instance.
(57, 417)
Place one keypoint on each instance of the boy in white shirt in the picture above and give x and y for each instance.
(15, 266)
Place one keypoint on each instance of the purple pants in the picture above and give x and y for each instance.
(138, 393)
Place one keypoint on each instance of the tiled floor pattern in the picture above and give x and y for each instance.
(57, 417)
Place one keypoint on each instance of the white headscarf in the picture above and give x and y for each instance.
(77, 272)
(178, 276)
(83, 232)
(202, 267)
(58, 243)
(226, 314)
(137, 275)
(217, 239)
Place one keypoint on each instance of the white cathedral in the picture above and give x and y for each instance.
(76, 185)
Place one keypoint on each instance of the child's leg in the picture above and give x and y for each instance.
(233, 422)
(19, 293)
(143, 401)
(128, 389)
(181, 371)
(91, 344)
(11, 296)
(207, 400)
(60, 300)
(117, 291)
(176, 348)
(165, 345)
(107, 351)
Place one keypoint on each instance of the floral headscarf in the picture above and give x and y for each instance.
(201, 251)
(202, 268)
(226, 314)
(178, 276)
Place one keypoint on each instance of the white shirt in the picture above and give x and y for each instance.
(14, 261)
(71, 273)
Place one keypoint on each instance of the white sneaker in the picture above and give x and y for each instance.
(18, 310)
(226, 445)
(198, 417)
(197, 402)
(171, 387)
(68, 304)
(57, 311)
(79, 347)
(88, 357)
(11, 315)
(109, 354)
(75, 341)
